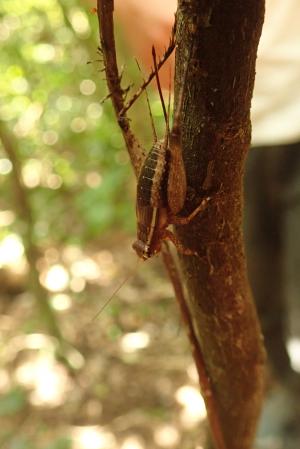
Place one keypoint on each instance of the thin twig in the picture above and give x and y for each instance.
(206, 387)
(160, 63)
(105, 10)
(105, 17)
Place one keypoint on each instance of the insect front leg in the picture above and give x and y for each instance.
(176, 183)
(168, 235)
(176, 191)
(181, 221)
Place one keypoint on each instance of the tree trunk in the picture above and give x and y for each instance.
(218, 40)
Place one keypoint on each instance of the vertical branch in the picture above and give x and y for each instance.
(105, 10)
(206, 388)
(24, 211)
(223, 38)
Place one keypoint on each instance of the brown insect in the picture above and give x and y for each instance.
(161, 187)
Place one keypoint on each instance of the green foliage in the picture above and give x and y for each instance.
(12, 402)
(60, 443)
(69, 148)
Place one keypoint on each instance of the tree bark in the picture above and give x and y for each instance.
(218, 40)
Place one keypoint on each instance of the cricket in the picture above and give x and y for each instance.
(162, 185)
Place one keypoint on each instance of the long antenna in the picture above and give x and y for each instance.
(148, 103)
(116, 291)
(169, 99)
(159, 86)
(178, 110)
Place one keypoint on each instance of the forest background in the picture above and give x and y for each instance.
(67, 222)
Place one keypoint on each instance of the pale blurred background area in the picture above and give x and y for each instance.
(67, 221)
(125, 380)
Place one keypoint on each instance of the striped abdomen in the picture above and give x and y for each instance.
(151, 187)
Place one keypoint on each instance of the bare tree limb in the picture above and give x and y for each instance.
(105, 9)
(160, 63)
(206, 387)
(222, 39)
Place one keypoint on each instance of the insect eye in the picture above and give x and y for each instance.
(141, 249)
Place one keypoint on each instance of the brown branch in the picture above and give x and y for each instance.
(105, 14)
(219, 313)
(160, 63)
(216, 128)
(105, 10)
(205, 383)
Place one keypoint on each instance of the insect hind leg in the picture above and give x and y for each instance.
(168, 235)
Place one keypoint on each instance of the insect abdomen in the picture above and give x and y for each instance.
(151, 188)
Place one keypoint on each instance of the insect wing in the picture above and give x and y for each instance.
(151, 188)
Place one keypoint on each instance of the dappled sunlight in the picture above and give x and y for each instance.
(78, 124)
(99, 269)
(79, 22)
(77, 285)
(29, 342)
(133, 442)
(134, 341)
(40, 172)
(27, 121)
(85, 268)
(50, 137)
(43, 53)
(19, 85)
(7, 217)
(107, 266)
(38, 341)
(47, 380)
(193, 373)
(92, 437)
(87, 87)
(5, 381)
(193, 405)
(166, 436)
(94, 110)
(93, 179)
(293, 347)
(11, 251)
(71, 253)
(54, 181)
(32, 173)
(55, 278)
(64, 103)
(61, 302)
(5, 166)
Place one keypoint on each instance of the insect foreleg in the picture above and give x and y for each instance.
(176, 190)
(176, 220)
(177, 183)
(168, 235)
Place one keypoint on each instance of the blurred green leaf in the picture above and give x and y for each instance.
(12, 402)
(60, 443)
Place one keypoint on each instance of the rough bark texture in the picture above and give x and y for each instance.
(218, 39)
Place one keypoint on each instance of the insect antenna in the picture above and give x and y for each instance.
(178, 110)
(116, 291)
(169, 99)
(159, 89)
(148, 104)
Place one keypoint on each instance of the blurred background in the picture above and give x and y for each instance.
(67, 221)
